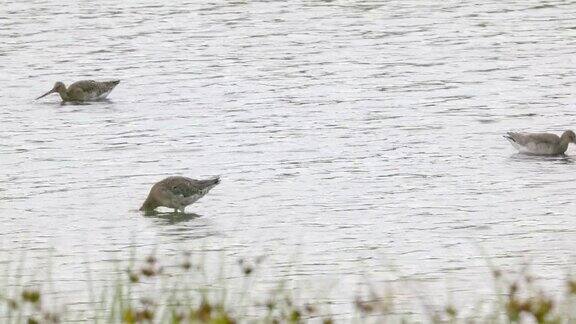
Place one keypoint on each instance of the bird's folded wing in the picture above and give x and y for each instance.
(85, 85)
(185, 188)
(526, 138)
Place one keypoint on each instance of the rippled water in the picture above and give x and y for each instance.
(350, 135)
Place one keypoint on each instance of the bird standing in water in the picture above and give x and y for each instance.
(177, 192)
(87, 90)
(541, 143)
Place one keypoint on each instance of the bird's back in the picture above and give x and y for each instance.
(183, 186)
(93, 90)
(536, 143)
(182, 191)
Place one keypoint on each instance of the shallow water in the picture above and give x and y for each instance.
(349, 135)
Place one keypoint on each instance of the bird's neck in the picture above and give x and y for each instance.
(63, 94)
(149, 205)
(563, 145)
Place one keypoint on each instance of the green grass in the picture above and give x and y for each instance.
(149, 292)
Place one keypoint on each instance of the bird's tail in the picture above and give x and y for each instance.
(215, 180)
(207, 185)
(509, 137)
(110, 84)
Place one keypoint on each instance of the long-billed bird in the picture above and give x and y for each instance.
(541, 143)
(177, 192)
(86, 90)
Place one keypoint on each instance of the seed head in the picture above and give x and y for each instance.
(572, 287)
(310, 309)
(186, 265)
(31, 296)
(32, 320)
(247, 270)
(134, 278)
(148, 271)
(151, 259)
(144, 315)
(451, 311)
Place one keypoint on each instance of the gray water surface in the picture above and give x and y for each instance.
(349, 135)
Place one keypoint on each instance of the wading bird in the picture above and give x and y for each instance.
(177, 193)
(541, 143)
(87, 90)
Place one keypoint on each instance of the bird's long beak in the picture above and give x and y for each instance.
(47, 93)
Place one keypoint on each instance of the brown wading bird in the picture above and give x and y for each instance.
(177, 193)
(541, 143)
(87, 90)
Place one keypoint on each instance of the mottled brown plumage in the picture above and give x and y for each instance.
(541, 143)
(177, 192)
(86, 90)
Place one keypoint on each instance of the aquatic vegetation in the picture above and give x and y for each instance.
(150, 292)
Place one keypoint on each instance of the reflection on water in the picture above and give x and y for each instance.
(354, 135)
(171, 218)
(84, 103)
(532, 158)
(182, 226)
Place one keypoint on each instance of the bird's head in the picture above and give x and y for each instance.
(149, 204)
(569, 136)
(59, 87)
